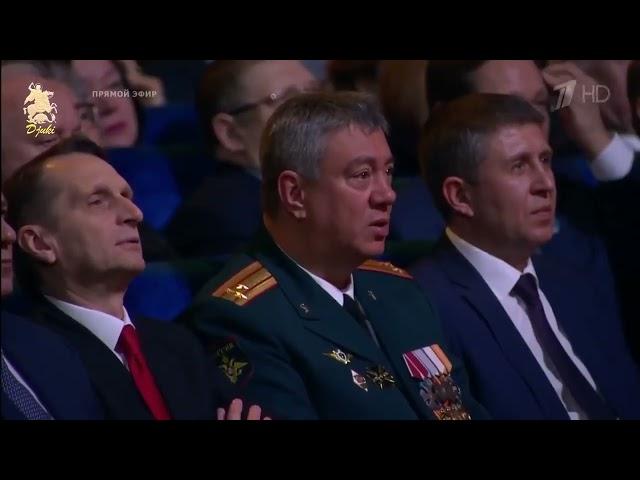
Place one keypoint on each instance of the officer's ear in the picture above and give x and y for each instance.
(457, 193)
(227, 131)
(38, 243)
(292, 194)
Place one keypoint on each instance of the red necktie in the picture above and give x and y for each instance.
(129, 345)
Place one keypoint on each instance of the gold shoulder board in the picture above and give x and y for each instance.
(246, 285)
(384, 267)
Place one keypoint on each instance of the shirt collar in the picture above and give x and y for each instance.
(104, 326)
(331, 289)
(498, 274)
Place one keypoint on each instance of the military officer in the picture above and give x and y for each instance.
(303, 319)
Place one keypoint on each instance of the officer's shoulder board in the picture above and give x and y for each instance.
(247, 284)
(384, 267)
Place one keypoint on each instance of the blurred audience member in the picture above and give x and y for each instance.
(119, 111)
(356, 75)
(235, 99)
(403, 99)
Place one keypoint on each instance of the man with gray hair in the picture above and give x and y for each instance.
(304, 319)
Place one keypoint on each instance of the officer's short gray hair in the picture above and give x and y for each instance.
(295, 137)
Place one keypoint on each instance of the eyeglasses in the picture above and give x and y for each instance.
(274, 99)
(87, 111)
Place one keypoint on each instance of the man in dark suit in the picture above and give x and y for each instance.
(535, 336)
(235, 99)
(310, 327)
(79, 250)
(595, 174)
(42, 378)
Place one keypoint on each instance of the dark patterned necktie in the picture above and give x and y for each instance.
(581, 391)
(20, 396)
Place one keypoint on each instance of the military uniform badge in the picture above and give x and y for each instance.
(381, 377)
(340, 356)
(359, 380)
(431, 366)
(232, 361)
(246, 285)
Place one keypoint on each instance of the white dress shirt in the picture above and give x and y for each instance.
(501, 278)
(105, 327)
(331, 289)
(616, 160)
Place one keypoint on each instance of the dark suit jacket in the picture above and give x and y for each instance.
(190, 387)
(221, 217)
(609, 211)
(51, 369)
(281, 341)
(504, 374)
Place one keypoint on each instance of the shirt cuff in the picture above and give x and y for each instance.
(614, 162)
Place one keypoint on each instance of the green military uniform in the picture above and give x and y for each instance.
(300, 355)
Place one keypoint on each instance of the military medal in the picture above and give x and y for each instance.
(359, 380)
(431, 366)
(340, 356)
(381, 377)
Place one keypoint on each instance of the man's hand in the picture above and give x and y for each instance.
(235, 412)
(581, 118)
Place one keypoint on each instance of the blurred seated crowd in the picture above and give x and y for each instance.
(184, 141)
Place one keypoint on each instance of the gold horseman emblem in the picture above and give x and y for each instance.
(41, 110)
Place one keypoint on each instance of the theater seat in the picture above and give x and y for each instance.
(149, 173)
(414, 216)
(165, 289)
(171, 125)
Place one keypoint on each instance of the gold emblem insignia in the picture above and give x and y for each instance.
(231, 367)
(340, 356)
(381, 377)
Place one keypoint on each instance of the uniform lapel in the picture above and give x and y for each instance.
(320, 312)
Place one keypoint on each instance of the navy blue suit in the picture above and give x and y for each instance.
(190, 385)
(607, 210)
(51, 369)
(220, 217)
(504, 375)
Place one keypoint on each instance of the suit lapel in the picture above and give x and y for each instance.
(165, 370)
(110, 378)
(477, 293)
